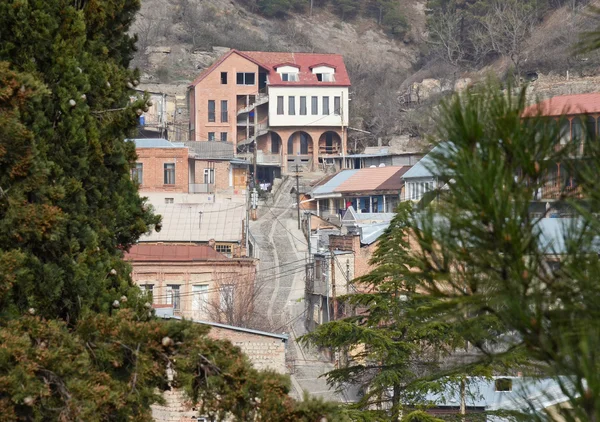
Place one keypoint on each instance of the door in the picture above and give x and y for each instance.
(329, 143)
(239, 178)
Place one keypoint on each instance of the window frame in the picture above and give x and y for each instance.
(325, 102)
(291, 105)
(223, 136)
(337, 105)
(212, 108)
(314, 105)
(280, 105)
(209, 176)
(212, 136)
(169, 173)
(303, 109)
(173, 296)
(137, 173)
(244, 78)
(224, 111)
(223, 78)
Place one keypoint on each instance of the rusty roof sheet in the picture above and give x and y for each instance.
(139, 253)
(374, 179)
(565, 105)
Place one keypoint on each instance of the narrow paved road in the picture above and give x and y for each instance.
(283, 256)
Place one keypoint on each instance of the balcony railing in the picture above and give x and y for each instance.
(201, 188)
(261, 157)
(331, 150)
(553, 192)
(260, 99)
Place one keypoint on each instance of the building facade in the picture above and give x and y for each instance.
(277, 109)
(161, 166)
(196, 281)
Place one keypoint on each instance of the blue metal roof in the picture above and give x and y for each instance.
(156, 143)
(337, 180)
(481, 392)
(423, 168)
(369, 233)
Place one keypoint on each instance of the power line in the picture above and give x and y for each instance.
(283, 225)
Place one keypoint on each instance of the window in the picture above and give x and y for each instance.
(137, 173)
(290, 145)
(325, 106)
(246, 78)
(224, 249)
(211, 110)
(209, 176)
(227, 291)
(280, 105)
(223, 136)
(173, 297)
(314, 105)
(289, 77)
(291, 105)
(169, 173)
(337, 104)
(503, 384)
(303, 144)
(169, 200)
(224, 78)
(274, 143)
(303, 106)
(325, 77)
(199, 297)
(224, 111)
(211, 136)
(147, 289)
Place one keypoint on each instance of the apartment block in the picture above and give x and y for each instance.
(278, 110)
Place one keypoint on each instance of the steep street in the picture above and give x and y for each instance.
(283, 256)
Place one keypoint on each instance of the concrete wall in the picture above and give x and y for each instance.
(154, 160)
(309, 119)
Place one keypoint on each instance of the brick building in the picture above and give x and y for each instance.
(195, 280)
(161, 166)
(277, 109)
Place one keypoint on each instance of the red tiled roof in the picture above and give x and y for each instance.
(168, 252)
(373, 179)
(565, 105)
(305, 61)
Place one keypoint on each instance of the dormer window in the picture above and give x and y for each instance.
(325, 77)
(289, 77)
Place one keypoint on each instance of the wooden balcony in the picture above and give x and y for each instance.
(554, 192)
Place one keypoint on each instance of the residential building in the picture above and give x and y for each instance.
(277, 109)
(221, 223)
(368, 190)
(194, 281)
(578, 117)
(420, 179)
(401, 151)
(161, 166)
(165, 118)
(188, 167)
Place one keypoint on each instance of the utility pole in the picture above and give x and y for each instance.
(335, 305)
(255, 141)
(311, 7)
(298, 194)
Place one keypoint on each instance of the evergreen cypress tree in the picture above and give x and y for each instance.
(77, 339)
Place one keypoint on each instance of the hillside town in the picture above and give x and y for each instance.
(296, 229)
(268, 214)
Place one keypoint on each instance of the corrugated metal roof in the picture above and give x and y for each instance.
(283, 337)
(369, 233)
(372, 179)
(182, 223)
(566, 105)
(481, 392)
(210, 150)
(423, 168)
(169, 252)
(156, 143)
(329, 186)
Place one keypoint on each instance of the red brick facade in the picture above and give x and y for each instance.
(220, 173)
(153, 171)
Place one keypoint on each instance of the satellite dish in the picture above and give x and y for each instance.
(382, 165)
(372, 167)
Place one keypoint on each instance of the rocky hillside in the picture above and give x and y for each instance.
(396, 80)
